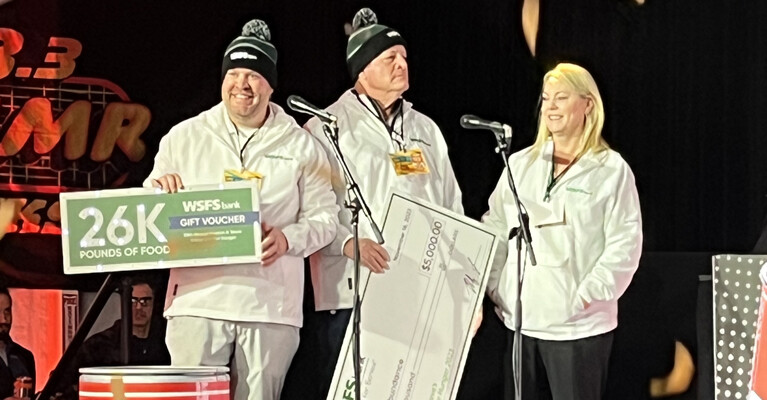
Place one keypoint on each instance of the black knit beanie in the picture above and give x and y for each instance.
(252, 50)
(368, 40)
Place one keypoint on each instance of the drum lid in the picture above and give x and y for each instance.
(155, 370)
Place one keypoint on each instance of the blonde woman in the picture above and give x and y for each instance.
(586, 231)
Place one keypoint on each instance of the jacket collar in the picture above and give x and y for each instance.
(586, 162)
(352, 95)
(277, 121)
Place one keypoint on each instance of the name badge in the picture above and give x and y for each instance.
(233, 175)
(409, 162)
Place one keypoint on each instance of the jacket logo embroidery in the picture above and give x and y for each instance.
(578, 190)
(279, 157)
(420, 141)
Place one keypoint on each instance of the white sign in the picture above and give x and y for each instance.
(416, 318)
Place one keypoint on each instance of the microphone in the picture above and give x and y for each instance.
(297, 103)
(469, 121)
(507, 132)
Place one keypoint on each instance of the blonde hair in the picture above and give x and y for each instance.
(580, 81)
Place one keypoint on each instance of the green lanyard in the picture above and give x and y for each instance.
(552, 180)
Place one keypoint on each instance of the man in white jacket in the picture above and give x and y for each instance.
(248, 313)
(375, 126)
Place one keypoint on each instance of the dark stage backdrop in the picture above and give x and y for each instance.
(683, 81)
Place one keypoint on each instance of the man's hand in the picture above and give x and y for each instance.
(170, 183)
(372, 255)
(273, 244)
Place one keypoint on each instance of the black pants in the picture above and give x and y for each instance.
(311, 372)
(560, 370)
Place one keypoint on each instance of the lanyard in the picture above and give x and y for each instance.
(553, 180)
(398, 138)
(242, 149)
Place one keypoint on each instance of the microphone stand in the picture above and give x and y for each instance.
(97, 306)
(522, 233)
(355, 202)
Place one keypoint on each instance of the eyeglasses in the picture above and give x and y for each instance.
(144, 301)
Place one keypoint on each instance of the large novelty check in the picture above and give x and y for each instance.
(132, 229)
(416, 318)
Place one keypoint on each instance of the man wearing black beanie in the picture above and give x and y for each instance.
(376, 126)
(247, 316)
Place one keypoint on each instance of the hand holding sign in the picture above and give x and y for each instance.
(130, 229)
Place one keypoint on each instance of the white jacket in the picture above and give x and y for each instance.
(366, 144)
(587, 240)
(296, 196)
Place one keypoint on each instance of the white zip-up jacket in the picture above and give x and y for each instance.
(296, 196)
(587, 240)
(366, 144)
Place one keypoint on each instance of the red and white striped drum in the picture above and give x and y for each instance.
(759, 369)
(166, 383)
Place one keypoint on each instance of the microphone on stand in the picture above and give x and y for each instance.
(502, 133)
(469, 121)
(507, 132)
(298, 104)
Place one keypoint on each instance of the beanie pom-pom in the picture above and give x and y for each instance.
(364, 17)
(257, 28)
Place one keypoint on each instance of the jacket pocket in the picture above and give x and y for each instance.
(548, 296)
(549, 289)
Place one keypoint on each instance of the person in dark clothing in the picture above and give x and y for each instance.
(147, 343)
(15, 361)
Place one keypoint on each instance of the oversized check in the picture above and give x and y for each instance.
(139, 228)
(416, 317)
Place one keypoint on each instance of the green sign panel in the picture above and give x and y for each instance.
(131, 229)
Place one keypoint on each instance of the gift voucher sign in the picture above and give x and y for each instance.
(140, 228)
(417, 317)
